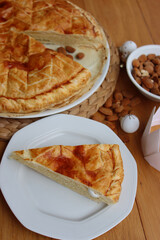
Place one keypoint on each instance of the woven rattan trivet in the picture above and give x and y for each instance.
(86, 109)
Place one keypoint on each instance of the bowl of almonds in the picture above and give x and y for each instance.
(143, 68)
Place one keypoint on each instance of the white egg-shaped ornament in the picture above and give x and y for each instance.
(129, 123)
(126, 49)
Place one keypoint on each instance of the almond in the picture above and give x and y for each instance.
(155, 85)
(141, 66)
(138, 80)
(154, 77)
(70, 49)
(149, 68)
(80, 55)
(156, 60)
(106, 111)
(116, 104)
(112, 118)
(61, 50)
(98, 117)
(148, 63)
(136, 63)
(157, 69)
(118, 95)
(136, 72)
(142, 58)
(149, 83)
(119, 109)
(151, 56)
(108, 103)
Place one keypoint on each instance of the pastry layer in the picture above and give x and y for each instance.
(25, 69)
(98, 167)
(50, 15)
(34, 78)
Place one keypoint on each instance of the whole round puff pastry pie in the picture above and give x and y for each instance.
(33, 76)
(91, 170)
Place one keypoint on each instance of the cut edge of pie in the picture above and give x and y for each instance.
(60, 16)
(48, 36)
(84, 168)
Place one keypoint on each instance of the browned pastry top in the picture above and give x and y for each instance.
(33, 77)
(98, 166)
(50, 15)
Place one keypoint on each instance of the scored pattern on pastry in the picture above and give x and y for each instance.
(38, 15)
(33, 77)
(98, 166)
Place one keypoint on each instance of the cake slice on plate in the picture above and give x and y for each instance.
(94, 170)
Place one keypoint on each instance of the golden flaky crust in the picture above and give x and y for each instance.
(95, 166)
(47, 15)
(34, 78)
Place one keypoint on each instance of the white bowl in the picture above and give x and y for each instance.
(147, 49)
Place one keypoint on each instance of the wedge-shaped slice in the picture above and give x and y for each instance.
(34, 78)
(95, 170)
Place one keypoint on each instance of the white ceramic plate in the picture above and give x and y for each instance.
(76, 102)
(50, 209)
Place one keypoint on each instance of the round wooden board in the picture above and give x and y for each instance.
(87, 108)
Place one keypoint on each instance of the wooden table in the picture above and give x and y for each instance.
(123, 20)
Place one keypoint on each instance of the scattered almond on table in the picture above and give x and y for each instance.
(119, 104)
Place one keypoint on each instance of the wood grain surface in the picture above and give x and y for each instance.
(123, 20)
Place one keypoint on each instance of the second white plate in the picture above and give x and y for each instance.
(50, 209)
